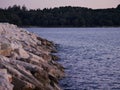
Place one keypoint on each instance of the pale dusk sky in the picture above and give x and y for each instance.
(34, 4)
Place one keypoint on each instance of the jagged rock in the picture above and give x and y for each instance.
(5, 80)
(54, 57)
(22, 53)
(5, 49)
(26, 62)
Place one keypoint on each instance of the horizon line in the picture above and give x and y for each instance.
(55, 7)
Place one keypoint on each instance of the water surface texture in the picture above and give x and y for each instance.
(91, 56)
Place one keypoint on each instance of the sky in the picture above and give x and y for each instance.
(35, 4)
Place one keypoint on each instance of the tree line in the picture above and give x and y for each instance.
(61, 17)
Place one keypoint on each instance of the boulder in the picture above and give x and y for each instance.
(5, 80)
(22, 53)
(5, 49)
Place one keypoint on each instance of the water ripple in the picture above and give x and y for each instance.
(91, 57)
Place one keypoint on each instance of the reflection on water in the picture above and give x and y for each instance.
(91, 56)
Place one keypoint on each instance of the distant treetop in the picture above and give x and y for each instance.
(118, 7)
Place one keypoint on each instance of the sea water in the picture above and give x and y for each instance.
(90, 56)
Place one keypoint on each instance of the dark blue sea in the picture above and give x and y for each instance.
(91, 56)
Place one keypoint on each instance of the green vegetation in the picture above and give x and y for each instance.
(61, 17)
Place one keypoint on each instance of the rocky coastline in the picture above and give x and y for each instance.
(26, 61)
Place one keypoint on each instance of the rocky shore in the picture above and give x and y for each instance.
(26, 61)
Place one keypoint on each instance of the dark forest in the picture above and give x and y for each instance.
(61, 17)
